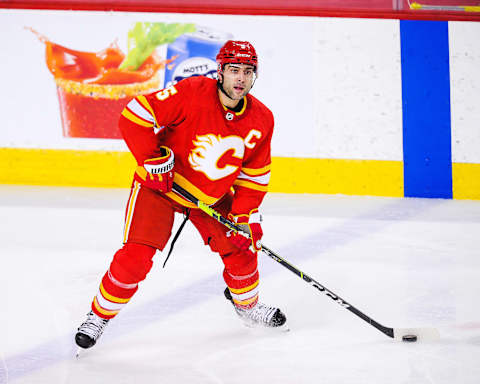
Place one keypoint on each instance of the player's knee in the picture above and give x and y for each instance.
(240, 262)
(132, 263)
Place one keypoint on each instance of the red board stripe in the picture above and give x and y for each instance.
(378, 9)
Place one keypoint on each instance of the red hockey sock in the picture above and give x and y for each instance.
(112, 296)
(130, 265)
(241, 276)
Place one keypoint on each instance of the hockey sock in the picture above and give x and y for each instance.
(112, 296)
(243, 288)
(241, 276)
(130, 265)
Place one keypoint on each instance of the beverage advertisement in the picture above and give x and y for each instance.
(94, 87)
(70, 74)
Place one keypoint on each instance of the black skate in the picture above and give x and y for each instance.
(260, 315)
(90, 330)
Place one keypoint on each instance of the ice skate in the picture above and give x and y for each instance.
(261, 315)
(90, 330)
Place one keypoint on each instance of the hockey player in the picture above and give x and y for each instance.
(209, 137)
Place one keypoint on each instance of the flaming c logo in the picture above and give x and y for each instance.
(209, 149)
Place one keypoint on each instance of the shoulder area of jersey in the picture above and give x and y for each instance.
(258, 106)
(198, 81)
(195, 85)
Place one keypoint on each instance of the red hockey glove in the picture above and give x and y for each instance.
(159, 171)
(251, 225)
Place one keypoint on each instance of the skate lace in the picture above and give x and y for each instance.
(261, 313)
(93, 326)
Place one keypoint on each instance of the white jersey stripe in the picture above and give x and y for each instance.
(262, 179)
(138, 109)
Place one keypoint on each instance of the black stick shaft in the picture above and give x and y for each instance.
(211, 212)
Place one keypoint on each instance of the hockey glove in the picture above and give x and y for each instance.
(250, 224)
(159, 171)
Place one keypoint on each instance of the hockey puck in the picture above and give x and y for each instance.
(409, 338)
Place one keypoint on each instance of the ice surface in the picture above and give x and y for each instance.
(404, 262)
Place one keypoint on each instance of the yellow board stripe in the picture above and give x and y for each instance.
(337, 176)
(466, 181)
(114, 169)
(111, 298)
(130, 116)
(71, 168)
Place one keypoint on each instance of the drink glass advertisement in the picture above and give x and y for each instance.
(94, 87)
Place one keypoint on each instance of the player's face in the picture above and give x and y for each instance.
(238, 80)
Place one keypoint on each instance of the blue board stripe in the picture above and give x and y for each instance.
(426, 108)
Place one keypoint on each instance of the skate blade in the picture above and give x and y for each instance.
(282, 329)
(79, 352)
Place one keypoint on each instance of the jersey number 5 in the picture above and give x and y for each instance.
(166, 93)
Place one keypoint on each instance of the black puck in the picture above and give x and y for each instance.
(409, 338)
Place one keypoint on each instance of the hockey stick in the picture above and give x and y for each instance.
(405, 334)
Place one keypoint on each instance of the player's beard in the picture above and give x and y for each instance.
(229, 90)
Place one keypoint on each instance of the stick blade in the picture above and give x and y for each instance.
(423, 334)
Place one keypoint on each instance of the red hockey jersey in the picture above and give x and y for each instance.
(215, 148)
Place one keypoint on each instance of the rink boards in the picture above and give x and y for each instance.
(362, 106)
